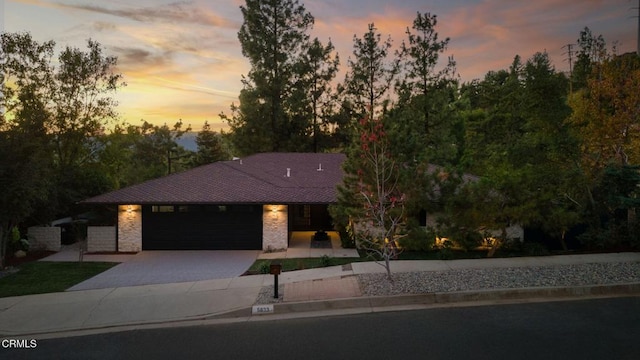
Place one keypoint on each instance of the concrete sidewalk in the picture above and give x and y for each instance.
(331, 288)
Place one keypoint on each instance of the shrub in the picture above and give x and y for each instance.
(16, 242)
(598, 238)
(445, 252)
(417, 238)
(325, 260)
(342, 225)
(534, 249)
(264, 268)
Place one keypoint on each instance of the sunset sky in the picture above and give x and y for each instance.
(182, 60)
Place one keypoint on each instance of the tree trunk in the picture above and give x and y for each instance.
(631, 222)
(387, 266)
(5, 233)
(563, 242)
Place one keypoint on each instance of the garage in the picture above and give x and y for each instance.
(202, 227)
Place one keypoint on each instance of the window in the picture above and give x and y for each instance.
(215, 208)
(162, 208)
(242, 208)
(304, 211)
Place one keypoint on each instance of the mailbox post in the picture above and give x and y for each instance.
(275, 269)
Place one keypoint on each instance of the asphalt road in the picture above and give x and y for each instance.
(587, 329)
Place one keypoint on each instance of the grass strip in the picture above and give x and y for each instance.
(39, 277)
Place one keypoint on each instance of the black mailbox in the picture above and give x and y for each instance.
(275, 269)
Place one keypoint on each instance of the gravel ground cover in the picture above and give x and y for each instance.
(481, 279)
(266, 295)
(498, 278)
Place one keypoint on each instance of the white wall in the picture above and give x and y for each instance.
(275, 227)
(129, 228)
(101, 238)
(45, 238)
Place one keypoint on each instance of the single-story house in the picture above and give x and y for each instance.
(243, 204)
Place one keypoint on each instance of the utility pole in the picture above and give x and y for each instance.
(569, 54)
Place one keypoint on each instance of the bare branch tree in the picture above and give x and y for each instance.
(377, 229)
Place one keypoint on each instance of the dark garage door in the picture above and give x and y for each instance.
(202, 227)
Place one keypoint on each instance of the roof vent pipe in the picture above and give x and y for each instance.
(288, 172)
(319, 167)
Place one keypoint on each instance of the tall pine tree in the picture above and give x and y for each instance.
(369, 80)
(270, 116)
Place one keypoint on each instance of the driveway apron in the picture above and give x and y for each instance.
(162, 267)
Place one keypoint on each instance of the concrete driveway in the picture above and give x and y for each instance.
(162, 267)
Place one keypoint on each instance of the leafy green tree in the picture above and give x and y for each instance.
(131, 154)
(495, 123)
(157, 151)
(116, 155)
(83, 106)
(606, 114)
(53, 114)
(25, 179)
(592, 50)
(605, 117)
(518, 139)
(26, 174)
(424, 123)
(210, 147)
(71, 99)
(269, 117)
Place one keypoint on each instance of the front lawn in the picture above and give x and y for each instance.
(262, 266)
(38, 277)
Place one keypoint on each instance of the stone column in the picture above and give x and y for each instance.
(275, 227)
(129, 228)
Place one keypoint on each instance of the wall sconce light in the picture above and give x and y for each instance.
(129, 209)
(274, 208)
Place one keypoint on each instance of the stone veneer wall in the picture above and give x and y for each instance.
(45, 238)
(275, 227)
(101, 238)
(129, 228)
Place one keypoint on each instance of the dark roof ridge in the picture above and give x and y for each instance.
(259, 179)
(268, 181)
(242, 170)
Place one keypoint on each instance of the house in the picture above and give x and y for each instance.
(243, 204)
(254, 203)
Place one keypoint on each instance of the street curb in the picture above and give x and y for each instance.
(444, 298)
(360, 305)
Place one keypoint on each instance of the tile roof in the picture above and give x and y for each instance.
(259, 178)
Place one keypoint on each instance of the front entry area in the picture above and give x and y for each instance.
(202, 227)
(312, 217)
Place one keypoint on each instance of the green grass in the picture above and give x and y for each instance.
(301, 263)
(40, 277)
(260, 266)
